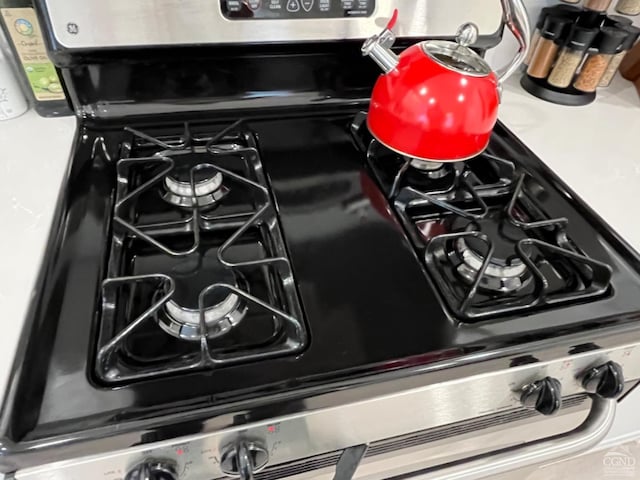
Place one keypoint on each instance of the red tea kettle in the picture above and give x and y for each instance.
(438, 100)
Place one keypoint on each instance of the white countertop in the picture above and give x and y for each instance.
(595, 149)
(34, 153)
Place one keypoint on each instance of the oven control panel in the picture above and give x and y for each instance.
(540, 386)
(73, 24)
(293, 9)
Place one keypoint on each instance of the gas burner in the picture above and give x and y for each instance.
(195, 174)
(505, 272)
(406, 179)
(181, 322)
(179, 192)
(432, 170)
(506, 266)
(184, 322)
(180, 316)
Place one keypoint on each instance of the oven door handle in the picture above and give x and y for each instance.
(585, 436)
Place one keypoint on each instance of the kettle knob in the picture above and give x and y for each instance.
(467, 34)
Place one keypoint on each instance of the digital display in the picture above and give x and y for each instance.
(292, 9)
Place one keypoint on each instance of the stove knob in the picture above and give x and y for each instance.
(153, 469)
(543, 395)
(606, 381)
(243, 459)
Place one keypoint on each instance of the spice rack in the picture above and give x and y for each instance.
(574, 51)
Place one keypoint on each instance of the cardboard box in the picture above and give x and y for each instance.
(630, 66)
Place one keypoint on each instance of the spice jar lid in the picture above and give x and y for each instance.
(554, 26)
(570, 11)
(634, 34)
(591, 19)
(581, 38)
(610, 39)
(617, 21)
(544, 13)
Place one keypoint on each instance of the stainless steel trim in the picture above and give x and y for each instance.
(177, 22)
(313, 432)
(587, 435)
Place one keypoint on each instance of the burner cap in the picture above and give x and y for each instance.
(506, 271)
(180, 316)
(433, 170)
(208, 188)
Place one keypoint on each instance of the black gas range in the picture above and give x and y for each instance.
(241, 281)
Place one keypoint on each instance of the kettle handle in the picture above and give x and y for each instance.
(515, 17)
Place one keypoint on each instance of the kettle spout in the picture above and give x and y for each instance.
(379, 46)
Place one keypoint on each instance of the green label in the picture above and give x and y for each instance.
(43, 79)
(24, 31)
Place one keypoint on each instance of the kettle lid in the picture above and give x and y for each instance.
(456, 57)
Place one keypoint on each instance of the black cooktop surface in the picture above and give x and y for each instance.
(367, 299)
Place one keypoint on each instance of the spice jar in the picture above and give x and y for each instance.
(567, 11)
(547, 48)
(597, 5)
(571, 56)
(607, 44)
(628, 7)
(535, 37)
(610, 72)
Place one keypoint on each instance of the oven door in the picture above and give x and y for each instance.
(478, 448)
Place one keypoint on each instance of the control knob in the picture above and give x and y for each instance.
(153, 469)
(243, 459)
(606, 381)
(543, 395)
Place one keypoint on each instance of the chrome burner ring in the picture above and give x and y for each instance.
(507, 277)
(203, 187)
(184, 323)
(208, 191)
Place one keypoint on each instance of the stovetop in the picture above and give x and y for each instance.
(310, 259)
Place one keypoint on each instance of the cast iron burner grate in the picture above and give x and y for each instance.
(487, 244)
(198, 273)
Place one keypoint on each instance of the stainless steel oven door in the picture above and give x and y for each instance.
(480, 448)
